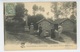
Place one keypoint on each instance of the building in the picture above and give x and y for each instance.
(46, 26)
(67, 24)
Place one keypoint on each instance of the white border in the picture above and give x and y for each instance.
(2, 26)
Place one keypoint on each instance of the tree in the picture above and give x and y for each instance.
(41, 8)
(74, 13)
(72, 17)
(19, 10)
(62, 8)
(74, 5)
(54, 9)
(26, 12)
(68, 7)
(35, 8)
(19, 15)
(34, 19)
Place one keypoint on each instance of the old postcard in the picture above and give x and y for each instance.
(40, 25)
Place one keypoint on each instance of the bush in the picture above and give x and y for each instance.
(15, 26)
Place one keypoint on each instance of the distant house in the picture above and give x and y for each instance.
(46, 26)
(67, 24)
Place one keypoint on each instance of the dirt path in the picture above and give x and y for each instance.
(67, 39)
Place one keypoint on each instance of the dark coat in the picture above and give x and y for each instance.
(52, 33)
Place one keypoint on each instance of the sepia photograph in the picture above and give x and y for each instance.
(40, 25)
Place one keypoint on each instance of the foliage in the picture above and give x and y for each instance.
(34, 19)
(18, 22)
(35, 8)
(63, 8)
(19, 10)
(41, 8)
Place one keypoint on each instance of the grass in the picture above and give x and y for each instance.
(72, 35)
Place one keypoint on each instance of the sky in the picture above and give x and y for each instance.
(47, 8)
(46, 5)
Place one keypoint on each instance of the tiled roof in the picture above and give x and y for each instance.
(59, 21)
(50, 21)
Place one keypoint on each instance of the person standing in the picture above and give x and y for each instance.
(60, 30)
(52, 33)
(40, 30)
(31, 28)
